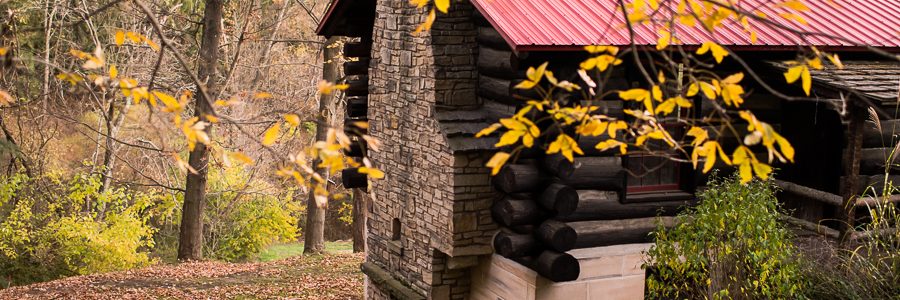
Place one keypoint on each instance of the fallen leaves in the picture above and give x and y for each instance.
(312, 277)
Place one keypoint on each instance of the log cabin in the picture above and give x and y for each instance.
(440, 227)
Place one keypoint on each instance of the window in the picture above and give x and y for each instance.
(395, 230)
(648, 173)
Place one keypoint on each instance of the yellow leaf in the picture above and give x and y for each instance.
(372, 172)
(700, 135)
(785, 147)
(795, 5)
(657, 93)
(509, 138)
(566, 145)
(292, 119)
(664, 37)
(361, 124)
(488, 130)
(666, 107)
(693, 89)
(793, 73)
(211, 118)
(442, 5)
(271, 135)
(262, 95)
(3, 51)
(171, 104)
(120, 38)
(835, 60)
(709, 90)
(807, 80)
(240, 157)
(497, 161)
(6, 98)
(113, 72)
(425, 26)
(718, 52)
(795, 17)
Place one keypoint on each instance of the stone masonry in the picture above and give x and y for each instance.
(430, 219)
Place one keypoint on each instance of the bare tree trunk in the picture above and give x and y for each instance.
(112, 129)
(190, 239)
(314, 239)
(360, 213)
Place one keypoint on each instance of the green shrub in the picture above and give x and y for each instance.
(730, 246)
(245, 215)
(50, 228)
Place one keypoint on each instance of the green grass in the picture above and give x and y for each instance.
(281, 251)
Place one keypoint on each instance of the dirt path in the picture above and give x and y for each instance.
(334, 276)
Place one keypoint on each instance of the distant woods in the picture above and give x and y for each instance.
(167, 99)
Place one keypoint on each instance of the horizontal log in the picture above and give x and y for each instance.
(605, 205)
(875, 201)
(810, 226)
(357, 49)
(874, 161)
(514, 245)
(513, 212)
(496, 89)
(810, 193)
(558, 197)
(563, 237)
(519, 178)
(597, 173)
(357, 149)
(833, 199)
(876, 183)
(355, 68)
(358, 107)
(558, 267)
(353, 179)
(350, 127)
(488, 36)
(498, 63)
(360, 84)
(886, 134)
(560, 166)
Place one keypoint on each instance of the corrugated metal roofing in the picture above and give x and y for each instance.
(570, 24)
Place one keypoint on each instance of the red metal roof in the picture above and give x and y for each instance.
(531, 25)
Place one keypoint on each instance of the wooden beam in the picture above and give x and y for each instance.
(498, 63)
(358, 107)
(514, 245)
(355, 68)
(556, 266)
(605, 205)
(852, 154)
(496, 89)
(489, 36)
(810, 226)
(809, 193)
(567, 236)
(519, 178)
(513, 212)
(353, 179)
(357, 50)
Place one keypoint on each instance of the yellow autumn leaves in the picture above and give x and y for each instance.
(440, 5)
(97, 72)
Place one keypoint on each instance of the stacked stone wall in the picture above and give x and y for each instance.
(410, 77)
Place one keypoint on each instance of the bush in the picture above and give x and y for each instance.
(50, 228)
(244, 215)
(733, 247)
